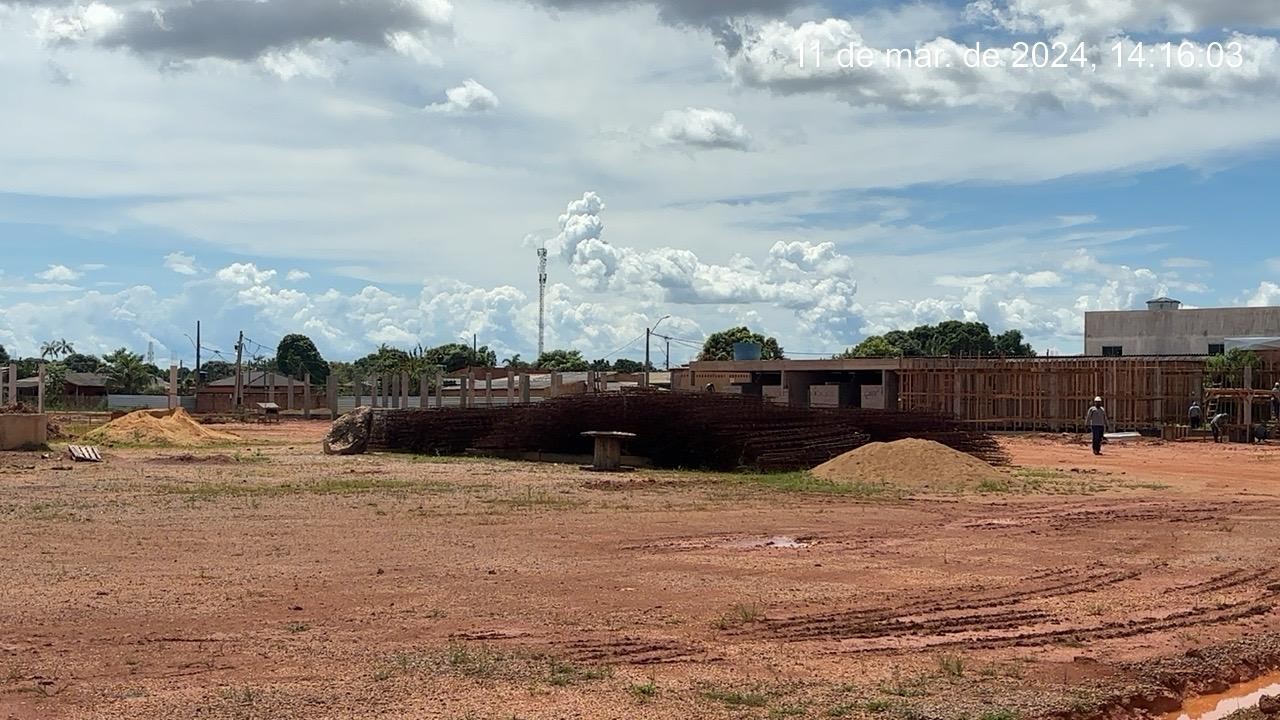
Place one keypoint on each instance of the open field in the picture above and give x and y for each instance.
(265, 580)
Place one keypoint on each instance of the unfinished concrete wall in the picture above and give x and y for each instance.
(21, 431)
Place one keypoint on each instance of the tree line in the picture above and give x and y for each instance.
(296, 355)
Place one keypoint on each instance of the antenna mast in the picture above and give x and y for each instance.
(542, 298)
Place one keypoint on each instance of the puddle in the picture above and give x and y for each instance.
(778, 541)
(1239, 697)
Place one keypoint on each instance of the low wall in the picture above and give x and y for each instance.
(20, 431)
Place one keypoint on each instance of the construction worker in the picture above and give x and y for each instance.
(1195, 414)
(1275, 402)
(1096, 419)
(1217, 424)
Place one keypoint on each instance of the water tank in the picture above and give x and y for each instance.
(746, 351)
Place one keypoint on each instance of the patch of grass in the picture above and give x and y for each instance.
(805, 482)
(734, 698)
(297, 627)
(999, 714)
(993, 485)
(740, 614)
(908, 687)
(480, 662)
(951, 665)
(535, 499)
(332, 486)
(562, 674)
(877, 706)
(786, 711)
(52, 511)
(644, 692)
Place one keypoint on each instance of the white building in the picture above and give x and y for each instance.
(1164, 328)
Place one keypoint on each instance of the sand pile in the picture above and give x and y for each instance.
(911, 464)
(144, 427)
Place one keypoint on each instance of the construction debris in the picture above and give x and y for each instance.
(84, 453)
(674, 430)
(350, 433)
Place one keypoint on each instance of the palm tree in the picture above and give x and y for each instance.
(56, 349)
(514, 362)
(127, 373)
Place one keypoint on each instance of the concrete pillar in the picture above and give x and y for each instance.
(306, 396)
(373, 391)
(271, 388)
(289, 400)
(359, 392)
(471, 388)
(389, 393)
(511, 387)
(13, 383)
(173, 387)
(525, 390)
(488, 388)
(404, 391)
(555, 384)
(591, 381)
(331, 394)
(40, 391)
(1248, 402)
(424, 390)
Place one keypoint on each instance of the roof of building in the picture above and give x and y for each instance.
(1164, 299)
(256, 379)
(84, 380)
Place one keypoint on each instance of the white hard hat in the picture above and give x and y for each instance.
(1098, 399)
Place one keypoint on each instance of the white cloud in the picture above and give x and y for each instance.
(296, 275)
(470, 96)
(59, 274)
(181, 263)
(781, 57)
(245, 274)
(1093, 18)
(702, 128)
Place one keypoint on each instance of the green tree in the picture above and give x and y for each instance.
(218, 370)
(601, 365)
(127, 373)
(297, 355)
(1227, 370)
(719, 346)
(563, 361)
(515, 362)
(55, 349)
(874, 346)
(625, 365)
(1010, 344)
(456, 356)
(79, 363)
(385, 359)
(4, 356)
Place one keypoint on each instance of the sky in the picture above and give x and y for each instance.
(371, 172)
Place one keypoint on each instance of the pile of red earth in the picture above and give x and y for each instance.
(674, 430)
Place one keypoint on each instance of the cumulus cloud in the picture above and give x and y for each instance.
(181, 263)
(699, 12)
(246, 274)
(241, 30)
(470, 96)
(296, 275)
(832, 57)
(813, 281)
(59, 274)
(701, 128)
(1089, 17)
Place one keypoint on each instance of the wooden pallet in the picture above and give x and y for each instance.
(84, 453)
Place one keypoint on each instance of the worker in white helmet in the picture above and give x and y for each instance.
(1096, 419)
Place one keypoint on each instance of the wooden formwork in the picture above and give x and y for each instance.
(1053, 393)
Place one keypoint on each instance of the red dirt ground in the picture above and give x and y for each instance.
(269, 581)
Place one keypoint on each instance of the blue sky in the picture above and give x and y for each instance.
(386, 177)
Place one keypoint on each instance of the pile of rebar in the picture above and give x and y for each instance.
(674, 430)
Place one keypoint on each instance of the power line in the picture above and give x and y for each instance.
(624, 347)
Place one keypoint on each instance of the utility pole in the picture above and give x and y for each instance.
(197, 355)
(648, 332)
(668, 354)
(239, 375)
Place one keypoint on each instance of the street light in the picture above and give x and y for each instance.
(648, 332)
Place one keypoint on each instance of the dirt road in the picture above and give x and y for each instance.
(268, 581)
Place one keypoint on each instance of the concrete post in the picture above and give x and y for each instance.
(471, 388)
(389, 391)
(359, 391)
(13, 383)
(524, 388)
(271, 389)
(289, 400)
(331, 395)
(373, 391)
(40, 391)
(511, 387)
(440, 391)
(555, 384)
(306, 396)
(488, 388)
(423, 391)
(1248, 402)
(173, 386)
(404, 391)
